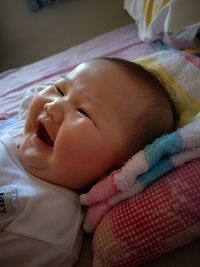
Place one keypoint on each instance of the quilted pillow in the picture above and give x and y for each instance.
(158, 220)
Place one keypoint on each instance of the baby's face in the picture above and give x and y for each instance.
(73, 131)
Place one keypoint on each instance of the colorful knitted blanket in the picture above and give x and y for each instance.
(180, 74)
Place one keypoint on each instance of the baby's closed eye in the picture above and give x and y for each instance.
(59, 90)
(83, 112)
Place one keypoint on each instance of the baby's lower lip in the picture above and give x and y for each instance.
(37, 141)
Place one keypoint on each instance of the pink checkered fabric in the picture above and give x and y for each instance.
(160, 219)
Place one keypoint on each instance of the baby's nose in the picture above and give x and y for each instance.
(55, 111)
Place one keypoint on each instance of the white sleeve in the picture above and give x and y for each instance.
(21, 251)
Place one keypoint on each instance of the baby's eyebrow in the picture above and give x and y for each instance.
(94, 103)
(65, 80)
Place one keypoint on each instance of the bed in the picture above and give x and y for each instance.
(123, 42)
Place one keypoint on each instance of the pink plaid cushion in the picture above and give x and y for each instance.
(163, 217)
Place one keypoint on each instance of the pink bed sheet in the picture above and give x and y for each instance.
(122, 42)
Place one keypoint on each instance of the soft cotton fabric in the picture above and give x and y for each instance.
(40, 223)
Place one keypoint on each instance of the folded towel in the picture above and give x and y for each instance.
(180, 74)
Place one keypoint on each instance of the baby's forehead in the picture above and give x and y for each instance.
(110, 80)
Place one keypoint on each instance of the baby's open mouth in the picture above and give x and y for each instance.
(43, 135)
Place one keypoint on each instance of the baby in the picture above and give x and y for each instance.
(77, 131)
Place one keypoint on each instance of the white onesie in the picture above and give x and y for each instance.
(40, 223)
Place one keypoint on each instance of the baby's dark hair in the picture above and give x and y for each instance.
(159, 116)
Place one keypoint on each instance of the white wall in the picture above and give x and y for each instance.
(26, 37)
